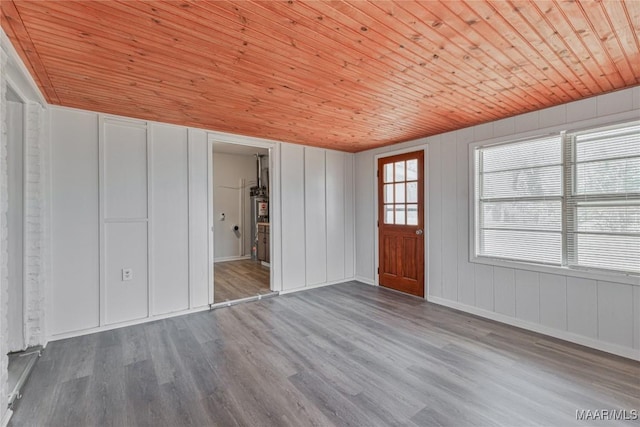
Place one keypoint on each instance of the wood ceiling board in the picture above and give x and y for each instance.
(610, 40)
(99, 53)
(14, 28)
(455, 62)
(450, 55)
(339, 74)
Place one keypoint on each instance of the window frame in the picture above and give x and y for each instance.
(566, 134)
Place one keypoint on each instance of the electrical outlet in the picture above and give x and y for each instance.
(127, 274)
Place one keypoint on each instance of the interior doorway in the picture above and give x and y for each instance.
(401, 222)
(241, 222)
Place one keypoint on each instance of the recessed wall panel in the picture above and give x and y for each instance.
(75, 245)
(336, 217)
(170, 219)
(315, 216)
(349, 224)
(126, 249)
(125, 170)
(199, 262)
(293, 229)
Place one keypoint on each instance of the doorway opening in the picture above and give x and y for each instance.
(241, 223)
(401, 202)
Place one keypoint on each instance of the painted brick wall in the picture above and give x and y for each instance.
(36, 231)
(35, 225)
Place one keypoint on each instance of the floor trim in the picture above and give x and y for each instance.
(89, 331)
(24, 376)
(243, 300)
(6, 418)
(231, 258)
(629, 353)
(365, 280)
(320, 285)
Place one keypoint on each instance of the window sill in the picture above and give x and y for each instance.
(600, 275)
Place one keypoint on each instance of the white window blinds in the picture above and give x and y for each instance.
(519, 201)
(603, 205)
(571, 199)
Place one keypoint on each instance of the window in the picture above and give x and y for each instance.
(603, 205)
(570, 199)
(401, 192)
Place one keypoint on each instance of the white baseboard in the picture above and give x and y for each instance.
(365, 280)
(72, 334)
(320, 285)
(231, 258)
(6, 417)
(618, 350)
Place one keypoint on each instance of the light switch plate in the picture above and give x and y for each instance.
(127, 274)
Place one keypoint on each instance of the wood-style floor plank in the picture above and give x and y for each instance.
(240, 279)
(344, 355)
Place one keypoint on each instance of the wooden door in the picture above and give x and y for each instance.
(401, 222)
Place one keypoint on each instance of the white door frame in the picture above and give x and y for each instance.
(425, 148)
(275, 241)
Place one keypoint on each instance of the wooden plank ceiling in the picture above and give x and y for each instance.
(343, 75)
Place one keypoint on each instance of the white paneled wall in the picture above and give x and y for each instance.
(170, 219)
(599, 310)
(125, 223)
(317, 217)
(75, 230)
(293, 229)
(199, 271)
(336, 213)
(126, 194)
(130, 194)
(125, 246)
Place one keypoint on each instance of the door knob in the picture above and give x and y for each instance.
(419, 231)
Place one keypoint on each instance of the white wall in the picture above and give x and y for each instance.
(317, 217)
(5, 413)
(15, 222)
(123, 192)
(130, 194)
(233, 175)
(34, 215)
(602, 311)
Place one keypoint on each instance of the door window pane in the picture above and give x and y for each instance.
(388, 193)
(400, 214)
(399, 171)
(399, 193)
(412, 192)
(412, 170)
(388, 172)
(412, 214)
(388, 214)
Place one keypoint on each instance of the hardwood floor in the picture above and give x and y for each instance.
(240, 279)
(348, 354)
